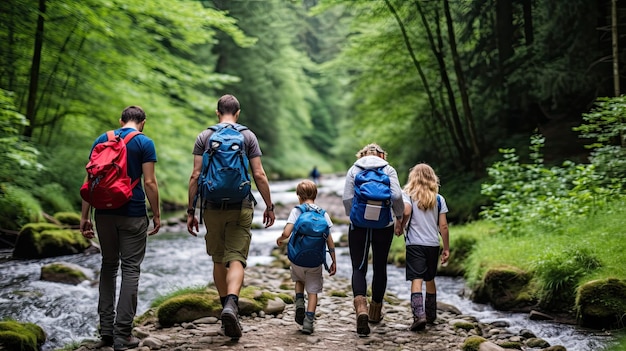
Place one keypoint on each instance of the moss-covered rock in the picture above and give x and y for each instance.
(63, 272)
(194, 305)
(511, 345)
(68, 218)
(463, 245)
(473, 343)
(537, 343)
(602, 303)
(399, 259)
(189, 307)
(506, 288)
(21, 336)
(41, 240)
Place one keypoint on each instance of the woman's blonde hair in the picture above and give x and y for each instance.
(423, 186)
(306, 190)
(372, 150)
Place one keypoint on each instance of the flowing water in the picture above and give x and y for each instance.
(174, 260)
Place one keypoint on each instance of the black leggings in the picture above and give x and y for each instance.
(359, 241)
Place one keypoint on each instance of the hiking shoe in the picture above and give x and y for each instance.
(230, 321)
(125, 343)
(418, 324)
(105, 341)
(299, 310)
(307, 325)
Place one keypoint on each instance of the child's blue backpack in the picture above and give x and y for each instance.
(307, 245)
(371, 204)
(224, 177)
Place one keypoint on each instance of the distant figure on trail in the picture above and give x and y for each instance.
(315, 175)
(310, 278)
(228, 222)
(427, 221)
(371, 224)
(123, 233)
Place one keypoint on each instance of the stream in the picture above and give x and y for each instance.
(174, 260)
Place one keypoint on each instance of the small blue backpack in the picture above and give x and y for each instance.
(224, 177)
(371, 204)
(307, 245)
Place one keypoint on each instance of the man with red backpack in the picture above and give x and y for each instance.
(121, 225)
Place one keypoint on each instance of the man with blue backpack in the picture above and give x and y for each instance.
(220, 186)
(308, 230)
(372, 197)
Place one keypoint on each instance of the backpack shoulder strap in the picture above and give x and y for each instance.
(237, 127)
(130, 135)
(438, 204)
(303, 208)
(111, 135)
(240, 128)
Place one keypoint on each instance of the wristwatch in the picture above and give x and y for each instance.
(191, 211)
(270, 208)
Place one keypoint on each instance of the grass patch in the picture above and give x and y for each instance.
(587, 247)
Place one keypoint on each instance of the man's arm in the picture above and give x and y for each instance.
(263, 186)
(192, 222)
(152, 193)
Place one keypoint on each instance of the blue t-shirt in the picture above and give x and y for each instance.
(138, 151)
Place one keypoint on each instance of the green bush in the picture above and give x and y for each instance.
(17, 207)
(558, 273)
(53, 198)
(605, 125)
(533, 194)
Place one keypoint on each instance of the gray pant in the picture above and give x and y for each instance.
(121, 239)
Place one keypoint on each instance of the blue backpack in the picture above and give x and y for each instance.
(307, 245)
(224, 177)
(371, 204)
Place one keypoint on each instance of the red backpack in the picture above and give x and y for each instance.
(108, 185)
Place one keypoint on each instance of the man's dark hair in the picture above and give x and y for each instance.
(133, 113)
(228, 104)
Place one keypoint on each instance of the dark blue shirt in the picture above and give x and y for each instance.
(138, 151)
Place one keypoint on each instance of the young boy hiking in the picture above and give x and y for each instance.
(309, 228)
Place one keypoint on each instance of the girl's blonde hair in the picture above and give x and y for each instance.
(423, 186)
(372, 150)
(306, 190)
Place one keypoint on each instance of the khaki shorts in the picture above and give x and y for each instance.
(228, 234)
(312, 278)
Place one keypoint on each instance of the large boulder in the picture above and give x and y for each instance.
(506, 288)
(21, 336)
(193, 305)
(41, 240)
(602, 303)
(188, 307)
(64, 272)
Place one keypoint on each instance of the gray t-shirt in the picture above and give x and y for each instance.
(251, 144)
(423, 229)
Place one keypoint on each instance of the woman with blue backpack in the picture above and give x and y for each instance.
(372, 197)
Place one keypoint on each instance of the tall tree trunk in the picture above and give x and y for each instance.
(615, 39)
(504, 32)
(528, 22)
(454, 127)
(416, 63)
(477, 165)
(31, 110)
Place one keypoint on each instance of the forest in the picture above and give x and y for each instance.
(456, 84)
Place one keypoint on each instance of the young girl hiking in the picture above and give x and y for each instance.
(426, 222)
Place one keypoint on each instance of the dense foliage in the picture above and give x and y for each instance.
(443, 82)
